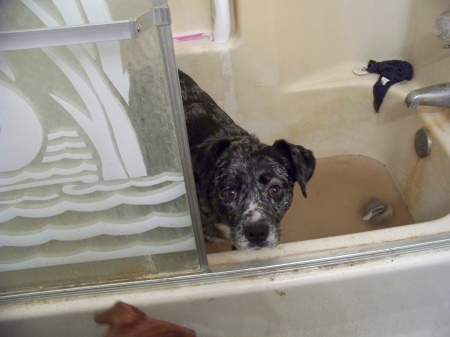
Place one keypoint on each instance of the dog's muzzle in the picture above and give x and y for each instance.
(257, 233)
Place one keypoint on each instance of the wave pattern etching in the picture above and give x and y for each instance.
(84, 176)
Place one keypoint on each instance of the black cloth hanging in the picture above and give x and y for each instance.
(395, 71)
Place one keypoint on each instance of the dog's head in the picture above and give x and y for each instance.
(249, 186)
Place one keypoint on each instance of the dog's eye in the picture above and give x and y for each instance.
(230, 193)
(275, 190)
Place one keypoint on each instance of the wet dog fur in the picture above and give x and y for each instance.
(244, 187)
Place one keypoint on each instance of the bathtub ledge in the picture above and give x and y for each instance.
(420, 231)
(342, 76)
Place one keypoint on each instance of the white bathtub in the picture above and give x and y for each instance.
(333, 116)
(387, 282)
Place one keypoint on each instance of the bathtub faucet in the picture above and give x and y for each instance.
(436, 95)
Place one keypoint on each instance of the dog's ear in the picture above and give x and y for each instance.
(204, 158)
(297, 159)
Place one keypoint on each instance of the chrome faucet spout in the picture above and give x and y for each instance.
(435, 95)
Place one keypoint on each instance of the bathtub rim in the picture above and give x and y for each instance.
(298, 259)
(423, 231)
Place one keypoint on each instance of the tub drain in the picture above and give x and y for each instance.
(422, 143)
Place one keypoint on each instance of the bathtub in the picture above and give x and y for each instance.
(333, 115)
(379, 282)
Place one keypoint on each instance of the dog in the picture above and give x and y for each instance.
(244, 187)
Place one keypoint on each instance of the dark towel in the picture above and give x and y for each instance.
(395, 71)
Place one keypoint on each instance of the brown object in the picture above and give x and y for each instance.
(128, 321)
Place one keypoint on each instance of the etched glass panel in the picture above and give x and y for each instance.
(91, 184)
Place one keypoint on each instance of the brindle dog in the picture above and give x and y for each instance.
(244, 187)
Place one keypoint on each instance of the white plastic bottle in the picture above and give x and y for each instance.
(221, 20)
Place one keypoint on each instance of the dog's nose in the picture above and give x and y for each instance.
(256, 233)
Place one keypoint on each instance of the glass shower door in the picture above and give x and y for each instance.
(94, 165)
